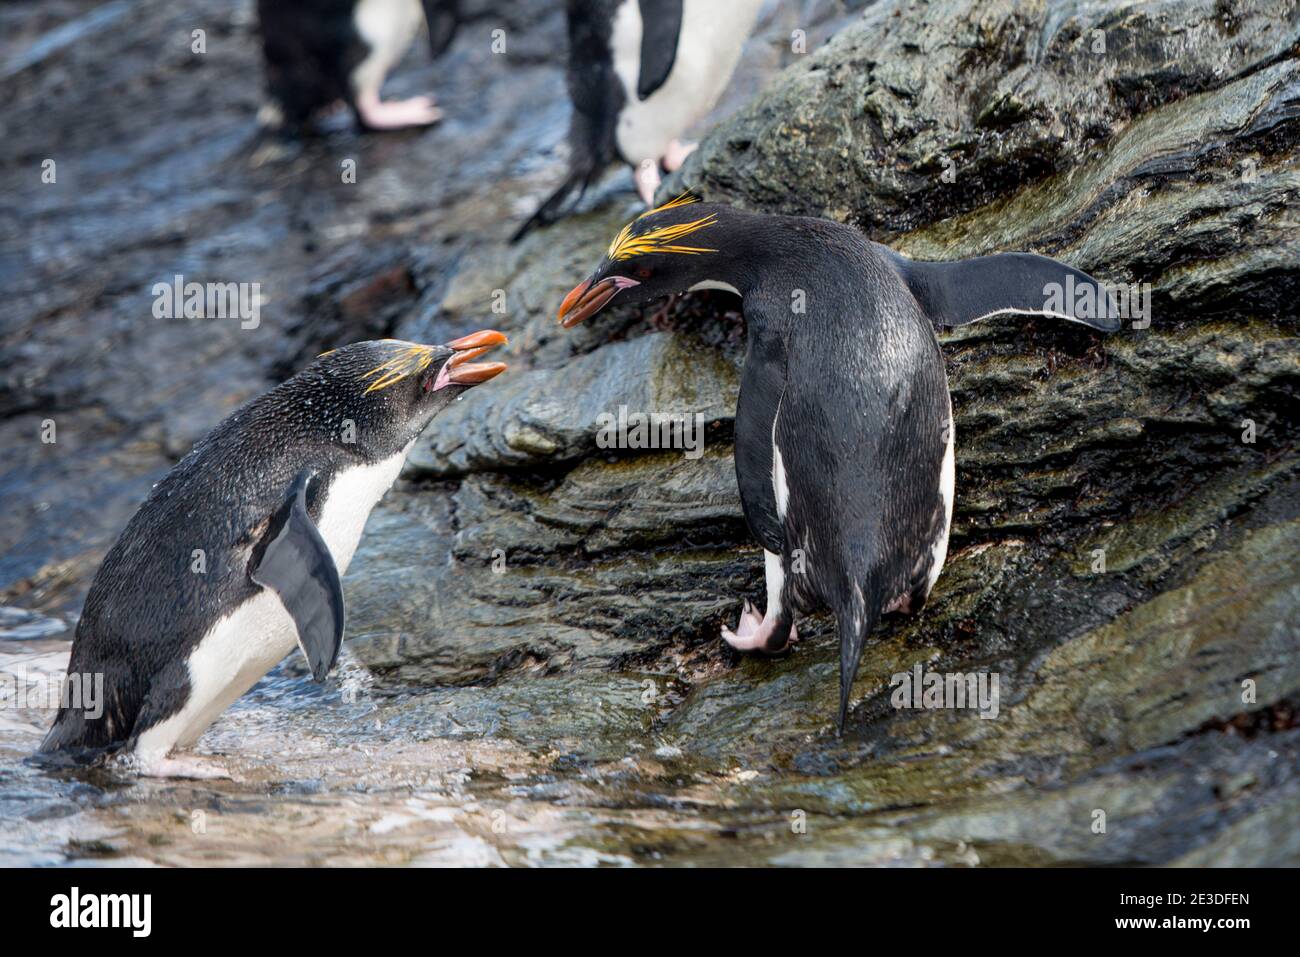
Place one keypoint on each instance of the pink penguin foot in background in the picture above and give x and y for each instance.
(676, 154)
(397, 114)
(647, 181)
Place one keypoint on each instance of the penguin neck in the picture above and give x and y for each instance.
(371, 431)
(777, 261)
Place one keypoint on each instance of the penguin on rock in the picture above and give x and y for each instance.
(319, 52)
(237, 554)
(640, 73)
(844, 440)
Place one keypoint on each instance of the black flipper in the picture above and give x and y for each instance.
(965, 291)
(442, 16)
(762, 384)
(661, 25)
(293, 561)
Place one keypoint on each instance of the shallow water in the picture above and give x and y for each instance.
(346, 774)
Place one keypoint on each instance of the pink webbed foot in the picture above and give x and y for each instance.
(750, 622)
(182, 766)
(397, 114)
(756, 634)
(676, 154)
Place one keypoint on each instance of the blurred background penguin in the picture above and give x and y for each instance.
(320, 52)
(640, 73)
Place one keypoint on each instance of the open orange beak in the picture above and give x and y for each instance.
(461, 369)
(586, 299)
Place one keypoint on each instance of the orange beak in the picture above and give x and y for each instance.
(586, 299)
(462, 370)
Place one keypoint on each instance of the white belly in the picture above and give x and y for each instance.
(240, 648)
(712, 36)
(387, 27)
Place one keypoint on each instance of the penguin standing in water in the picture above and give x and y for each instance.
(318, 52)
(237, 554)
(844, 433)
(640, 73)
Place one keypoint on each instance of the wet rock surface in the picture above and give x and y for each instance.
(533, 672)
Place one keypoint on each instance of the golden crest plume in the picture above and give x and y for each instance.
(407, 359)
(661, 240)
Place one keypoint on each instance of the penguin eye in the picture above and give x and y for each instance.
(645, 272)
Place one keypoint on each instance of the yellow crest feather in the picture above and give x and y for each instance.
(407, 360)
(685, 199)
(664, 239)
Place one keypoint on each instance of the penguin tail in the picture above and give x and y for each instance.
(82, 732)
(855, 621)
(69, 736)
(70, 756)
(968, 290)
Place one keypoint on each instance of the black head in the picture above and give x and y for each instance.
(668, 250)
(388, 389)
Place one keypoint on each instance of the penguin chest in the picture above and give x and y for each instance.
(708, 48)
(780, 479)
(352, 494)
(387, 27)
